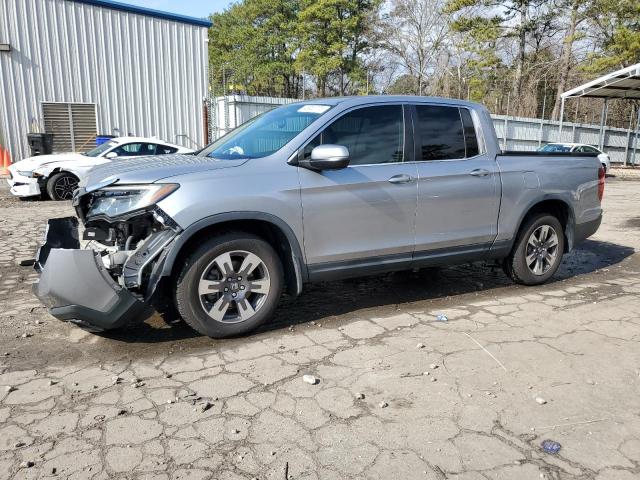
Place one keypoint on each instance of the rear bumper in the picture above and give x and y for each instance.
(585, 230)
(77, 287)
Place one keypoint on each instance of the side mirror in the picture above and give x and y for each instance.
(328, 157)
(111, 155)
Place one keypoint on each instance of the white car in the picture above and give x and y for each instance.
(58, 175)
(578, 148)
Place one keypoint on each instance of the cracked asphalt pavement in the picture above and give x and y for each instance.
(399, 393)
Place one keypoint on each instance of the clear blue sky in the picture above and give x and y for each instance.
(192, 8)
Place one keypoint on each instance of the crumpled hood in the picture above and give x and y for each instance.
(31, 163)
(151, 169)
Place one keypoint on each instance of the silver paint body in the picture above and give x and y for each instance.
(355, 215)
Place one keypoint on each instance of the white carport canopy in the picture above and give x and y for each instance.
(622, 84)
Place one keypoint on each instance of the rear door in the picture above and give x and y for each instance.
(458, 192)
(367, 210)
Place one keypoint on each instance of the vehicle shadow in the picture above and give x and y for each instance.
(326, 301)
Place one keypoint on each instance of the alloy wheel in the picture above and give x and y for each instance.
(234, 286)
(542, 249)
(65, 186)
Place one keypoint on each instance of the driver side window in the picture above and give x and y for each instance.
(373, 135)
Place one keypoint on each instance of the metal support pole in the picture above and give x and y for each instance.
(506, 123)
(626, 145)
(561, 119)
(603, 120)
(635, 140)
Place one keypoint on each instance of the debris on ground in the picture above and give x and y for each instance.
(441, 317)
(433, 366)
(206, 406)
(27, 464)
(551, 446)
(360, 396)
(9, 388)
(310, 379)
(383, 405)
(420, 345)
(540, 400)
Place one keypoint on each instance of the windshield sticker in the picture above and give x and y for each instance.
(313, 109)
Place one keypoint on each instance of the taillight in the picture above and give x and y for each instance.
(601, 176)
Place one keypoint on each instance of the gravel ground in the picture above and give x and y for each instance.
(397, 393)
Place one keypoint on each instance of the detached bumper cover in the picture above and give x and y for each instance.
(76, 286)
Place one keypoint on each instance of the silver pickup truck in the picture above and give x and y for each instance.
(309, 192)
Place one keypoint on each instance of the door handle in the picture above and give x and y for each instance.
(402, 178)
(479, 172)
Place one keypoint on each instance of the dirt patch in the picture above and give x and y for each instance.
(633, 222)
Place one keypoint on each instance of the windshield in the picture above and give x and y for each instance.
(100, 149)
(555, 147)
(265, 134)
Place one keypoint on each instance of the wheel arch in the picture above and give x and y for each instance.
(557, 207)
(269, 227)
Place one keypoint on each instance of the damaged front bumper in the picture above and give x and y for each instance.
(22, 186)
(82, 286)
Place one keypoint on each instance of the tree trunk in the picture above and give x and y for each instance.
(565, 61)
(522, 45)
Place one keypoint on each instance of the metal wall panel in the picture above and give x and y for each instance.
(147, 76)
(529, 133)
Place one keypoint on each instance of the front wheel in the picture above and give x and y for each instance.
(538, 251)
(61, 186)
(230, 285)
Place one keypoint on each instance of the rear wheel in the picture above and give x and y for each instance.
(229, 285)
(61, 186)
(538, 251)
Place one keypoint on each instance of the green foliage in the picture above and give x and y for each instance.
(618, 23)
(403, 85)
(253, 44)
(333, 35)
(262, 46)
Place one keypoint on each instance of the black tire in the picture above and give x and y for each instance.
(516, 265)
(191, 304)
(61, 186)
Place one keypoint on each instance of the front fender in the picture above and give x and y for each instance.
(301, 273)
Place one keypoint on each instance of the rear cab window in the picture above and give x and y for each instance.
(444, 132)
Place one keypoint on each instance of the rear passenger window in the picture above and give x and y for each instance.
(165, 150)
(470, 139)
(440, 132)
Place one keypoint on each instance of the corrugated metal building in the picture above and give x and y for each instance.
(77, 68)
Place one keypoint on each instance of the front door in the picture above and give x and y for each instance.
(367, 210)
(458, 191)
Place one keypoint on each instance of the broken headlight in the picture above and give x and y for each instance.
(122, 199)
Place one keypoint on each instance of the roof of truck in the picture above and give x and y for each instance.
(363, 99)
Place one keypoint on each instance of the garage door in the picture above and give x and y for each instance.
(73, 125)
